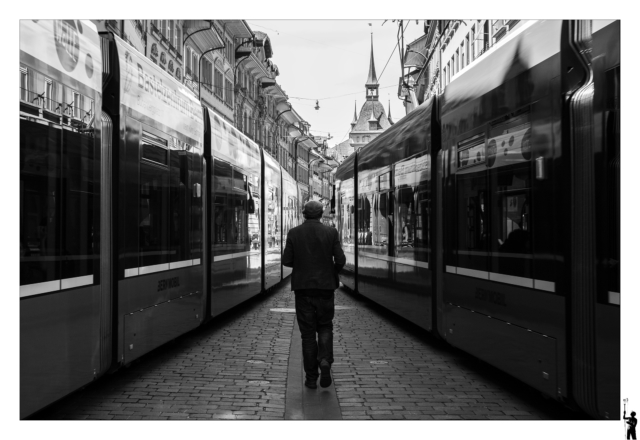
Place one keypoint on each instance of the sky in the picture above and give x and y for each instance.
(328, 61)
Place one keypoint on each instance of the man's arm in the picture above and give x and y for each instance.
(339, 260)
(287, 255)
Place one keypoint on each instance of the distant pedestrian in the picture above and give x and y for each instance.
(313, 251)
(631, 424)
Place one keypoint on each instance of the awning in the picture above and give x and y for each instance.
(293, 130)
(202, 34)
(262, 40)
(308, 143)
(237, 28)
(207, 39)
(291, 117)
(279, 96)
(405, 138)
(412, 59)
(256, 67)
(325, 164)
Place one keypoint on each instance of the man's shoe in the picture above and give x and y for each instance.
(325, 374)
(310, 384)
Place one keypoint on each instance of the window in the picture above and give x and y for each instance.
(229, 93)
(187, 61)
(207, 77)
(174, 39)
(485, 36)
(230, 222)
(472, 225)
(178, 40)
(462, 56)
(229, 48)
(48, 93)
(194, 65)
(218, 84)
(153, 224)
(59, 209)
(170, 29)
(24, 84)
(457, 61)
(494, 209)
(472, 49)
(508, 160)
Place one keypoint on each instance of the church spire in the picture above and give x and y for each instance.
(355, 114)
(372, 80)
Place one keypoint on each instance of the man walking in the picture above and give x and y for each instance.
(313, 251)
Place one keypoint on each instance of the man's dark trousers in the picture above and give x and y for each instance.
(314, 311)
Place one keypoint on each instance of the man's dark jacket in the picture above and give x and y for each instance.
(313, 251)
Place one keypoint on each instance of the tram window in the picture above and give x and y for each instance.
(239, 218)
(472, 237)
(40, 154)
(508, 157)
(179, 206)
(510, 221)
(153, 222)
(405, 228)
(385, 181)
(59, 211)
(195, 173)
(80, 205)
(421, 242)
(222, 183)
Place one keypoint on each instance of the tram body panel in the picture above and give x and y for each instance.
(171, 307)
(236, 217)
(158, 205)
(272, 221)
(61, 294)
(395, 217)
(290, 212)
(503, 284)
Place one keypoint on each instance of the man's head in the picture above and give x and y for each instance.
(312, 210)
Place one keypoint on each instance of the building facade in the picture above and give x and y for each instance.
(446, 49)
(229, 67)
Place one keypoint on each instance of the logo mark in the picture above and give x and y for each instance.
(67, 41)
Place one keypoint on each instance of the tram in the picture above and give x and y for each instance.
(490, 215)
(143, 214)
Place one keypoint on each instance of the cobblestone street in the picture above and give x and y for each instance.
(236, 368)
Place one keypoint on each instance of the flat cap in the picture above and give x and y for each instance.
(313, 209)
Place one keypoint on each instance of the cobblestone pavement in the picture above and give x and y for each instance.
(236, 368)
